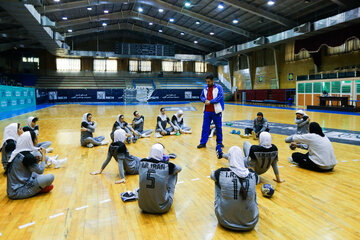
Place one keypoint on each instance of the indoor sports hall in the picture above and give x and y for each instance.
(167, 119)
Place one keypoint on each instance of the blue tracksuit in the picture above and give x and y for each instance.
(218, 101)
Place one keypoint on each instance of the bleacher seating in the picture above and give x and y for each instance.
(179, 83)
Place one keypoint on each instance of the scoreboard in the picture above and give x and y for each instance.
(144, 49)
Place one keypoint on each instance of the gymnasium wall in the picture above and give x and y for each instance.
(16, 98)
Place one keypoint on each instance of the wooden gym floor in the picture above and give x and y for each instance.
(308, 205)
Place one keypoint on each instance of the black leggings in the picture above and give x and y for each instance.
(249, 130)
(304, 161)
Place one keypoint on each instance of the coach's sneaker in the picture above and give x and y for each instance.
(59, 163)
(158, 135)
(105, 142)
(290, 159)
(90, 145)
(244, 135)
(219, 152)
(49, 150)
(201, 146)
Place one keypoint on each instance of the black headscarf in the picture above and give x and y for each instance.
(315, 128)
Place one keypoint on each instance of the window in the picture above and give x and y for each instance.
(200, 67)
(68, 64)
(105, 65)
(170, 66)
(139, 66)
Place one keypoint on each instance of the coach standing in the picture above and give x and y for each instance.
(213, 97)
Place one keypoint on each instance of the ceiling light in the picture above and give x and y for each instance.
(89, 8)
(160, 30)
(150, 23)
(197, 22)
(140, 9)
(187, 4)
(64, 18)
(171, 20)
(161, 10)
(104, 24)
(106, 11)
(271, 2)
(211, 33)
(70, 30)
(195, 42)
(56, 0)
(182, 34)
(221, 6)
(235, 21)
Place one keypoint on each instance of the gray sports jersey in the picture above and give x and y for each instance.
(232, 211)
(88, 133)
(157, 185)
(302, 125)
(139, 124)
(262, 158)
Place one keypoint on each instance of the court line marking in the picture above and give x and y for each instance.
(195, 179)
(180, 182)
(280, 166)
(79, 208)
(104, 201)
(208, 176)
(344, 161)
(56, 215)
(356, 160)
(26, 225)
(293, 165)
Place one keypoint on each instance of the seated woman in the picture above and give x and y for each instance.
(25, 176)
(121, 124)
(260, 125)
(161, 122)
(127, 163)
(138, 126)
(32, 126)
(260, 157)
(87, 129)
(157, 181)
(178, 121)
(236, 205)
(302, 121)
(11, 135)
(321, 156)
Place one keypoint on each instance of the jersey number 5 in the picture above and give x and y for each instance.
(150, 178)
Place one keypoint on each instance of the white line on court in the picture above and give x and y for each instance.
(280, 166)
(344, 161)
(26, 225)
(356, 160)
(79, 208)
(56, 215)
(195, 179)
(293, 165)
(104, 201)
(180, 182)
(208, 176)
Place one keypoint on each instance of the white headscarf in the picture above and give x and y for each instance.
(180, 112)
(157, 151)
(84, 118)
(301, 112)
(236, 161)
(24, 143)
(118, 119)
(265, 140)
(29, 121)
(163, 117)
(119, 135)
(10, 132)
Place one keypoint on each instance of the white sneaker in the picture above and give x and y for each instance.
(158, 135)
(188, 132)
(104, 142)
(173, 133)
(56, 157)
(59, 162)
(49, 150)
(290, 159)
(90, 145)
(145, 136)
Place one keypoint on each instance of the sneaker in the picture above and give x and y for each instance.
(188, 132)
(145, 136)
(56, 157)
(134, 140)
(51, 160)
(158, 135)
(47, 189)
(290, 159)
(128, 140)
(244, 135)
(49, 150)
(201, 146)
(90, 145)
(60, 162)
(105, 142)
(173, 133)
